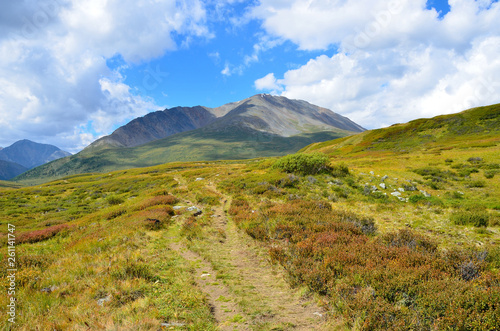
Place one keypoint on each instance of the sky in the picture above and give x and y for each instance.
(72, 71)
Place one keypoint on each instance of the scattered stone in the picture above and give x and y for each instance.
(312, 180)
(101, 302)
(403, 199)
(372, 173)
(410, 188)
(204, 275)
(194, 208)
(427, 195)
(198, 179)
(396, 194)
(401, 189)
(49, 289)
(177, 207)
(382, 185)
(384, 178)
(318, 314)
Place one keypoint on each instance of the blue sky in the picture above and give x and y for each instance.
(72, 71)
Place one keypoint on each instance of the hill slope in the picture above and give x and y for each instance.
(156, 125)
(10, 170)
(473, 127)
(259, 126)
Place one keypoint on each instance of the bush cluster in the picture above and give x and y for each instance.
(398, 281)
(41, 235)
(304, 164)
(475, 217)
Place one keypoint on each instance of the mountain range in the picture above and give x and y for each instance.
(260, 126)
(262, 112)
(24, 155)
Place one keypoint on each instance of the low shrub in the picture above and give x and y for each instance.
(288, 181)
(114, 213)
(411, 240)
(476, 183)
(41, 235)
(477, 217)
(489, 174)
(398, 281)
(159, 200)
(114, 200)
(304, 164)
(416, 198)
(134, 269)
(153, 224)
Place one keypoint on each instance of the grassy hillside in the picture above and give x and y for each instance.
(372, 239)
(197, 145)
(477, 127)
(4, 183)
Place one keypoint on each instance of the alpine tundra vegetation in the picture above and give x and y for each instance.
(390, 229)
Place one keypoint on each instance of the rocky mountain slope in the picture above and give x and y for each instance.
(262, 112)
(157, 125)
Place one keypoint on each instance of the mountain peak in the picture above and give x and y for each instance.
(30, 154)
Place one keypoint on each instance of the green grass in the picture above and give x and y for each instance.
(197, 145)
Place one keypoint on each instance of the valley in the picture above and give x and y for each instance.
(397, 228)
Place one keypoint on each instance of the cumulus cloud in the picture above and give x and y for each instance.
(397, 60)
(56, 84)
(267, 82)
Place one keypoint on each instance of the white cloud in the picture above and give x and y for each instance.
(56, 85)
(397, 61)
(267, 83)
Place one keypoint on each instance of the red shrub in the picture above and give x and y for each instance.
(43, 234)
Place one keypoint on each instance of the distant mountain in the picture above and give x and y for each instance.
(26, 154)
(260, 126)
(283, 117)
(10, 170)
(263, 112)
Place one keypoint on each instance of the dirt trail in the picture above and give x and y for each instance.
(224, 310)
(253, 294)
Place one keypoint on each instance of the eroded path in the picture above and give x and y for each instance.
(245, 290)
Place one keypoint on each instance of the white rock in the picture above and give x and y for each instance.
(101, 302)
